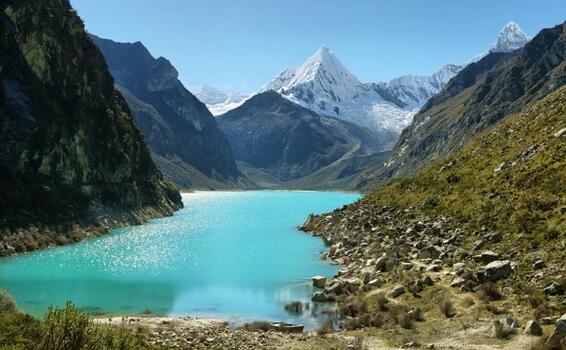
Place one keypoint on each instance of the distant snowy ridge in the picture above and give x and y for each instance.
(324, 85)
(219, 101)
(511, 38)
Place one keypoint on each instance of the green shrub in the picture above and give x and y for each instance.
(7, 303)
(19, 331)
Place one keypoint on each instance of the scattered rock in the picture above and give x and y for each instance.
(533, 328)
(559, 334)
(457, 282)
(406, 266)
(560, 133)
(319, 281)
(486, 257)
(554, 288)
(397, 291)
(539, 264)
(497, 270)
(430, 252)
(323, 297)
(412, 344)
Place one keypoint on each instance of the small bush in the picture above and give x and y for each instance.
(406, 321)
(66, 328)
(257, 326)
(382, 301)
(7, 303)
(490, 292)
(326, 328)
(19, 331)
(446, 307)
(294, 307)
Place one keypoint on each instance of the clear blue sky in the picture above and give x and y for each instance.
(242, 44)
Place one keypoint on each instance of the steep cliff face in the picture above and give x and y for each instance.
(70, 151)
(183, 135)
(480, 96)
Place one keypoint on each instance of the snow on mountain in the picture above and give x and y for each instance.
(511, 38)
(219, 101)
(411, 92)
(325, 85)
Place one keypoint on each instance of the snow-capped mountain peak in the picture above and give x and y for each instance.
(325, 66)
(219, 101)
(511, 38)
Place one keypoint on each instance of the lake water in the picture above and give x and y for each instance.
(231, 255)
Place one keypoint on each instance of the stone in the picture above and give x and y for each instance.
(554, 288)
(486, 257)
(561, 324)
(434, 268)
(557, 337)
(397, 291)
(323, 297)
(458, 266)
(496, 270)
(560, 133)
(319, 281)
(457, 282)
(510, 322)
(430, 252)
(406, 266)
(533, 328)
(547, 320)
(539, 264)
(409, 345)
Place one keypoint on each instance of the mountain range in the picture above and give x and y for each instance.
(277, 140)
(483, 93)
(324, 85)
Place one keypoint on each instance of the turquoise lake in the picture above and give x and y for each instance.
(231, 255)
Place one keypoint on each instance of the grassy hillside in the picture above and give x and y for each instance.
(502, 199)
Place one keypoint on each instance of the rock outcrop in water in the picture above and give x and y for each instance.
(72, 161)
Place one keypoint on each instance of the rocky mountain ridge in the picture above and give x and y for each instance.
(184, 137)
(72, 164)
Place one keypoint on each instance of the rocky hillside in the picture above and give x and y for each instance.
(70, 151)
(480, 96)
(184, 137)
(286, 141)
(481, 234)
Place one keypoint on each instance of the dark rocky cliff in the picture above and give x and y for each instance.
(71, 155)
(183, 135)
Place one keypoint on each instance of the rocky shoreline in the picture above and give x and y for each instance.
(100, 222)
(392, 259)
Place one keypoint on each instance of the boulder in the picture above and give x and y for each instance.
(497, 270)
(323, 297)
(406, 266)
(558, 335)
(457, 282)
(397, 291)
(533, 328)
(319, 281)
(486, 257)
(430, 252)
(554, 288)
(539, 264)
